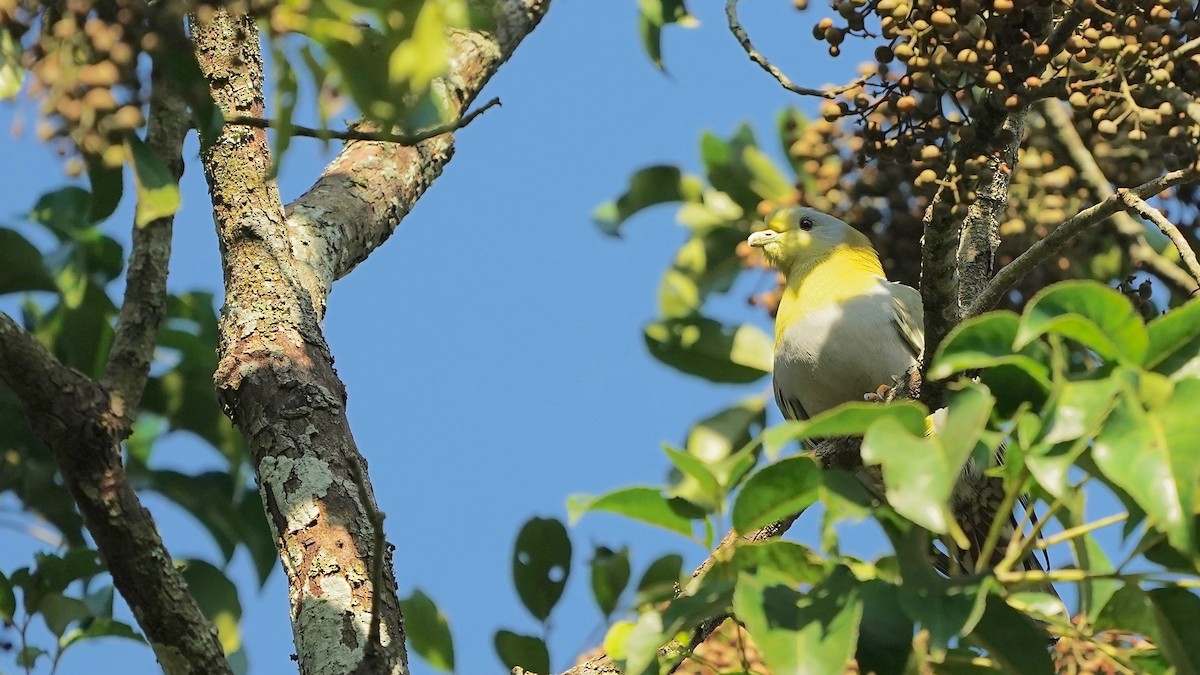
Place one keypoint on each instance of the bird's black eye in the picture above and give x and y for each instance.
(806, 224)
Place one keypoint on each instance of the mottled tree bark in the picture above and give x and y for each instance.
(82, 423)
(276, 376)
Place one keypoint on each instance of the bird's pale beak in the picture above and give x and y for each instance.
(760, 239)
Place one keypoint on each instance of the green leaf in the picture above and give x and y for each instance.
(1012, 639)
(181, 67)
(286, 86)
(986, 341)
(610, 575)
(848, 419)
(1158, 617)
(640, 503)
(1175, 343)
(1077, 409)
(725, 164)
(1151, 456)
(703, 347)
(22, 267)
(428, 631)
(59, 611)
(524, 651)
(699, 486)
(653, 16)
(1177, 609)
(157, 189)
(27, 656)
(208, 496)
(649, 186)
(74, 564)
(776, 491)
(218, 600)
(108, 183)
(64, 211)
(98, 628)
(790, 561)
(1089, 313)
(767, 181)
(885, 632)
(541, 564)
(8, 600)
(814, 632)
(660, 580)
(12, 73)
(920, 473)
(707, 263)
(947, 608)
(717, 436)
(711, 598)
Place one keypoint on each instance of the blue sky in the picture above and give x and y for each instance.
(492, 348)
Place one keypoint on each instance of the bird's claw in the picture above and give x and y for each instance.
(879, 395)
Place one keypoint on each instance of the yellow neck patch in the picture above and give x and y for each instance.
(848, 271)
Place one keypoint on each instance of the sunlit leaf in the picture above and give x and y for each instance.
(706, 348)
(1175, 342)
(986, 341)
(640, 503)
(157, 189)
(776, 491)
(1089, 313)
(647, 187)
(814, 632)
(653, 16)
(428, 631)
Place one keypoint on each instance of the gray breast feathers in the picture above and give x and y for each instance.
(841, 352)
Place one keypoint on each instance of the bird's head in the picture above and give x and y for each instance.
(800, 236)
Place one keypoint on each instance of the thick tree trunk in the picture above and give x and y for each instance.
(276, 377)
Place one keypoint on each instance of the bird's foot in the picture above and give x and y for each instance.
(879, 395)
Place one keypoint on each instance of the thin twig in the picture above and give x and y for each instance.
(360, 135)
(735, 27)
(1186, 254)
(1052, 243)
(1080, 530)
(1140, 251)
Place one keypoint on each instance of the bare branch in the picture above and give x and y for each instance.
(1052, 243)
(73, 416)
(1140, 250)
(1168, 228)
(735, 27)
(145, 302)
(363, 134)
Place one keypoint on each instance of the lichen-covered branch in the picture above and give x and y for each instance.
(145, 302)
(362, 195)
(1140, 250)
(74, 417)
(276, 380)
(1012, 273)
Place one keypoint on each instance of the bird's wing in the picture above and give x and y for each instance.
(909, 315)
(790, 407)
